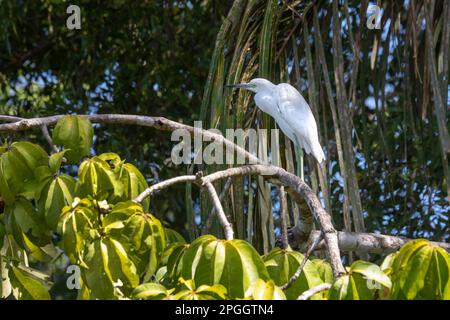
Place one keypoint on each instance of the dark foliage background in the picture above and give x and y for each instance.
(153, 57)
(135, 57)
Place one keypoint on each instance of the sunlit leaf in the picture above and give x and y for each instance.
(75, 226)
(98, 180)
(265, 290)
(233, 263)
(56, 160)
(55, 195)
(204, 292)
(142, 235)
(132, 179)
(109, 271)
(420, 270)
(282, 264)
(28, 287)
(363, 281)
(151, 291)
(74, 133)
(97, 274)
(17, 169)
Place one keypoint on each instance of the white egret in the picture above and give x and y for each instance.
(291, 112)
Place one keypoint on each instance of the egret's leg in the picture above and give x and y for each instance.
(299, 158)
(300, 155)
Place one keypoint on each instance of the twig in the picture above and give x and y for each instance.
(197, 179)
(44, 129)
(219, 209)
(162, 185)
(7, 118)
(211, 216)
(299, 270)
(310, 292)
(47, 137)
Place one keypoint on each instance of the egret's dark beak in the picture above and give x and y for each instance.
(240, 85)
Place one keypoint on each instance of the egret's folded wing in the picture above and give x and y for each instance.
(295, 110)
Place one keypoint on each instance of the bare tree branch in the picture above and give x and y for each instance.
(7, 118)
(211, 215)
(159, 123)
(298, 272)
(48, 138)
(163, 185)
(368, 242)
(226, 225)
(310, 292)
(44, 129)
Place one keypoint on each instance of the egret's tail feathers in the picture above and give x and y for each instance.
(317, 152)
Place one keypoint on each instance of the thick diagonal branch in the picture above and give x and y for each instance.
(369, 242)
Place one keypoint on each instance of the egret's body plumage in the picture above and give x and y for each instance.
(291, 112)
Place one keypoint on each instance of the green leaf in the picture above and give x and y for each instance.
(28, 287)
(386, 266)
(17, 170)
(134, 184)
(56, 194)
(282, 264)
(371, 272)
(75, 225)
(6, 191)
(339, 288)
(172, 258)
(22, 218)
(2, 232)
(204, 292)
(265, 43)
(97, 274)
(112, 159)
(142, 236)
(324, 269)
(420, 270)
(98, 180)
(265, 290)
(110, 272)
(44, 254)
(233, 263)
(56, 160)
(74, 133)
(132, 179)
(121, 266)
(173, 237)
(151, 291)
(361, 283)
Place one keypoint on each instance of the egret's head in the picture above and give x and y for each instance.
(255, 85)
